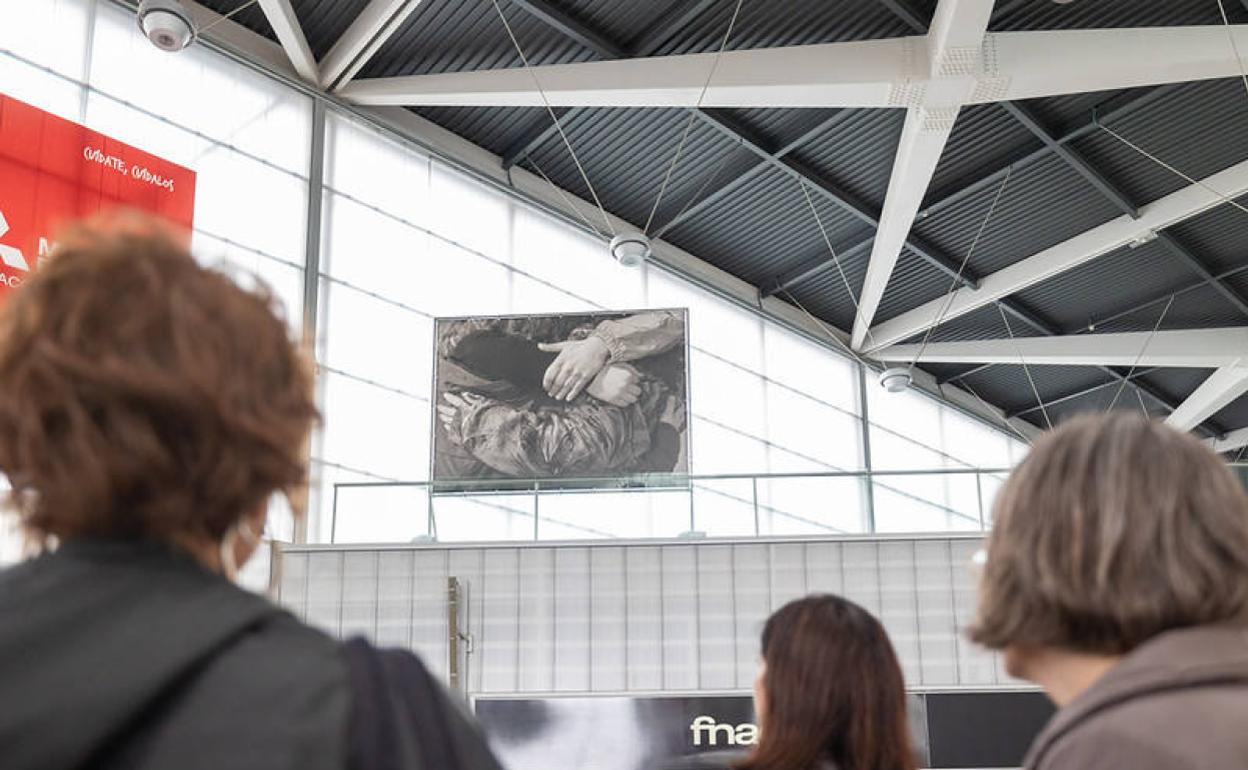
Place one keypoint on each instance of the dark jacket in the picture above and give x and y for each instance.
(1179, 702)
(123, 654)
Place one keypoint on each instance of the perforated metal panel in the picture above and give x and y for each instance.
(638, 618)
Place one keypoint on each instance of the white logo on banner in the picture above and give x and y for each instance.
(11, 256)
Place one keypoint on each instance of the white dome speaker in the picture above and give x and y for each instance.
(167, 24)
(896, 379)
(630, 249)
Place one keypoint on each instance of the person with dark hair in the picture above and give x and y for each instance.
(829, 694)
(1116, 578)
(149, 410)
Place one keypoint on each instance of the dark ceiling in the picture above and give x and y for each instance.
(736, 200)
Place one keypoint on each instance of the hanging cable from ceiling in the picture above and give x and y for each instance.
(836, 260)
(1143, 350)
(1026, 369)
(1221, 195)
(995, 411)
(567, 200)
(558, 125)
(680, 148)
(215, 22)
(957, 279)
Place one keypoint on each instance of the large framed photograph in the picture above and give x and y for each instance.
(582, 400)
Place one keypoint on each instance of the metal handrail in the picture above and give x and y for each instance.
(643, 483)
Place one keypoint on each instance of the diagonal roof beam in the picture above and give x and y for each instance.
(852, 74)
(1183, 348)
(541, 129)
(1121, 108)
(379, 20)
(571, 28)
(1119, 198)
(860, 73)
(1035, 64)
(1114, 109)
(285, 25)
(957, 32)
(1221, 388)
(1182, 204)
(820, 186)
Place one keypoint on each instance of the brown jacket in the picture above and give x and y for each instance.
(1178, 702)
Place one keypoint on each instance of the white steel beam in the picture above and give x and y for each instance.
(855, 74)
(954, 48)
(1054, 62)
(1158, 215)
(1236, 439)
(371, 29)
(1198, 348)
(286, 25)
(1221, 388)
(923, 139)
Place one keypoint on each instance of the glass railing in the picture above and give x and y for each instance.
(642, 507)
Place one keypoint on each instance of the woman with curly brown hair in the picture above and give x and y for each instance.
(149, 410)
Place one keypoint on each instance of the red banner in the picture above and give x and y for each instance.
(53, 171)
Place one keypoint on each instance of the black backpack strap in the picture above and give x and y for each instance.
(398, 714)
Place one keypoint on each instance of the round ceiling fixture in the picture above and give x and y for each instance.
(630, 249)
(896, 379)
(167, 24)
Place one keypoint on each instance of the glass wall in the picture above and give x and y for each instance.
(405, 238)
(246, 136)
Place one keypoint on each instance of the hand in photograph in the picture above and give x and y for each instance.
(617, 384)
(578, 363)
(451, 415)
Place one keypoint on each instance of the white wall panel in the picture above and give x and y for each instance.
(608, 639)
(639, 617)
(537, 620)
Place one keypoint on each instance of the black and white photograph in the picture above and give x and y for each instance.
(593, 399)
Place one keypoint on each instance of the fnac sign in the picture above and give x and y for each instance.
(53, 171)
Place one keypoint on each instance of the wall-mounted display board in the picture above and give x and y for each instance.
(53, 171)
(581, 400)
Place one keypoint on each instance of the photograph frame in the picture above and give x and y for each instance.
(676, 480)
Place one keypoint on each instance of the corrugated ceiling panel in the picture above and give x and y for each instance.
(1009, 387)
(984, 139)
(1219, 236)
(1197, 128)
(825, 294)
(252, 17)
(622, 23)
(857, 154)
(494, 128)
(1043, 204)
(1107, 285)
(1201, 308)
(913, 282)
(765, 229)
(1177, 384)
(459, 35)
(626, 154)
(324, 21)
(1066, 113)
(802, 22)
(1093, 14)
(779, 127)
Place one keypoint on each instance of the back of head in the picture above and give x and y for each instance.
(1113, 530)
(142, 395)
(833, 691)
